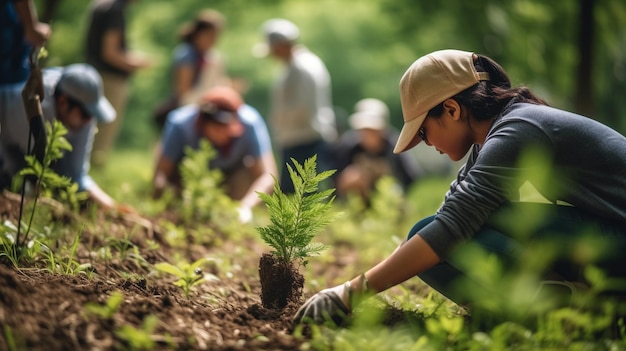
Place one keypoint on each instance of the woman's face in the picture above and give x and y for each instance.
(449, 133)
(205, 39)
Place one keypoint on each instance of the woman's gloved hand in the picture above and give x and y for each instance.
(331, 304)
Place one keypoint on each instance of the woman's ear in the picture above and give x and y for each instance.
(452, 108)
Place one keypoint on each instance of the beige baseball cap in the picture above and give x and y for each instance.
(429, 81)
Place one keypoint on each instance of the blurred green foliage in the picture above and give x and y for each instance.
(367, 45)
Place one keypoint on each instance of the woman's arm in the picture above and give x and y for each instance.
(412, 257)
(114, 56)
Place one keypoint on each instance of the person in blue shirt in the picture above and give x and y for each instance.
(236, 131)
(19, 31)
(72, 95)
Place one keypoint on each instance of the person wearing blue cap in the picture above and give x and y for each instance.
(72, 95)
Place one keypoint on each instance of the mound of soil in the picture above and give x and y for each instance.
(40, 310)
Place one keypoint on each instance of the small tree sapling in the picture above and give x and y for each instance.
(295, 219)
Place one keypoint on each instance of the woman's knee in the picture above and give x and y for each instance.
(419, 225)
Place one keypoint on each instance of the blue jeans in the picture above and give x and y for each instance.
(559, 228)
(300, 153)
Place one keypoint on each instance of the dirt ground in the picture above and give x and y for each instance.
(44, 311)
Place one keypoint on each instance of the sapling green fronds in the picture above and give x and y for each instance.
(189, 275)
(139, 338)
(107, 310)
(295, 219)
(52, 184)
(203, 197)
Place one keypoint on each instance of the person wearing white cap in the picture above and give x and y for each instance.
(302, 119)
(459, 102)
(72, 95)
(364, 154)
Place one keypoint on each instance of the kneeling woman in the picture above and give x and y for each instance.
(458, 101)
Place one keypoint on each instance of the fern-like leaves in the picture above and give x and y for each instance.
(296, 218)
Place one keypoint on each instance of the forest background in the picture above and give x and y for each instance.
(572, 52)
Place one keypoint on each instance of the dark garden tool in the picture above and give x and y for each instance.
(32, 95)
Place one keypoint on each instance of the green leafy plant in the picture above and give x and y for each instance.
(203, 198)
(107, 310)
(50, 183)
(189, 275)
(27, 253)
(68, 265)
(139, 338)
(296, 219)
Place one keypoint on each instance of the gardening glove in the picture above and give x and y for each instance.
(328, 304)
(245, 214)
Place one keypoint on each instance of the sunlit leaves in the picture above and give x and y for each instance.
(297, 218)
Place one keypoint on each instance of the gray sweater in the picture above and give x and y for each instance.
(586, 161)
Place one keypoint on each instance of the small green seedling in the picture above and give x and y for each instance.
(296, 219)
(203, 196)
(107, 310)
(189, 275)
(50, 184)
(139, 338)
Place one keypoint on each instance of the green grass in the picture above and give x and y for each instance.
(434, 322)
(127, 177)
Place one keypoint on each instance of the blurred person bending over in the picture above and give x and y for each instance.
(302, 118)
(364, 154)
(238, 134)
(72, 95)
(106, 49)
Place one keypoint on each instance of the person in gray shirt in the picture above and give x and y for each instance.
(301, 118)
(460, 102)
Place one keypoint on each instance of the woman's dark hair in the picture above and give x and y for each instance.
(206, 20)
(487, 99)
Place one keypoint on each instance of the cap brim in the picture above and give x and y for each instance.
(224, 117)
(407, 139)
(103, 111)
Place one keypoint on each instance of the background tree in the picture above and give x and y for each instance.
(573, 53)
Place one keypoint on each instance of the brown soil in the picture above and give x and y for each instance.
(281, 283)
(40, 310)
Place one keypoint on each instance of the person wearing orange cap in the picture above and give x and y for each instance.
(239, 135)
(460, 102)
